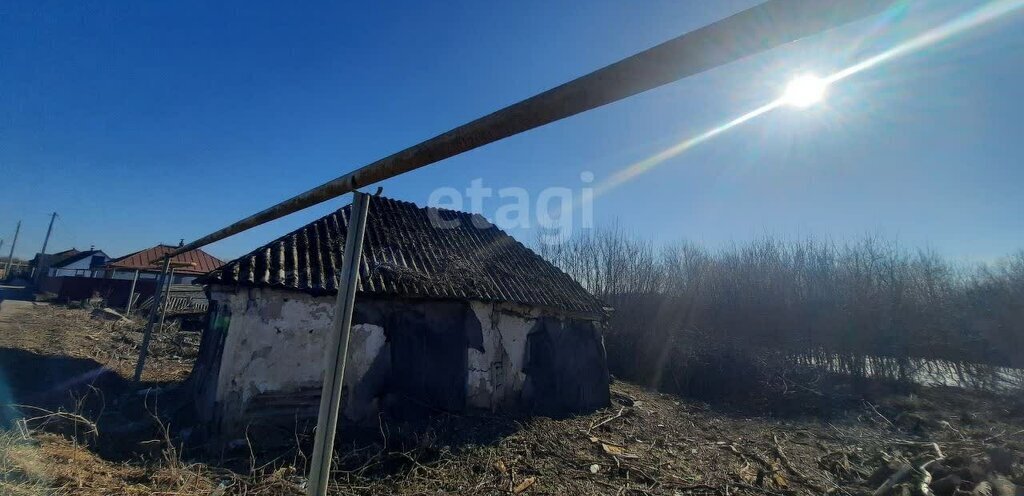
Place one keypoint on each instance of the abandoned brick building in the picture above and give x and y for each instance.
(452, 314)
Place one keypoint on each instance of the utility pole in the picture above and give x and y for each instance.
(10, 256)
(42, 254)
(49, 230)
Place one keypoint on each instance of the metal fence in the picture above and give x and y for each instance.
(181, 299)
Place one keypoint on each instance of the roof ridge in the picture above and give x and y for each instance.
(429, 207)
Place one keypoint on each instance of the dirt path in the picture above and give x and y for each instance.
(10, 310)
(19, 314)
(13, 300)
(15, 306)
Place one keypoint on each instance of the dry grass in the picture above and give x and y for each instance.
(51, 464)
(54, 330)
(647, 443)
(21, 470)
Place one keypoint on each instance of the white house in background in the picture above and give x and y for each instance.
(450, 316)
(146, 264)
(84, 264)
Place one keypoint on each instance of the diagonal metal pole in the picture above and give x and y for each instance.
(337, 349)
(131, 293)
(144, 348)
(755, 30)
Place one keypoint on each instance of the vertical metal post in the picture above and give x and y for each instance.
(10, 255)
(131, 292)
(337, 349)
(144, 348)
(167, 299)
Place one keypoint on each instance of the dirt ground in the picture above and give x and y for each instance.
(935, 441)
(58, 331)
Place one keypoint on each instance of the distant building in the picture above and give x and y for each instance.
(42, 262)
(147, 263)
(133, 277)
(454, 318)
(84, 264)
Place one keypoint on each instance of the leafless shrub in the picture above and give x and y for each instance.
(863, 309)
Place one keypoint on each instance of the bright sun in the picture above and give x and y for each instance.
(804, 91)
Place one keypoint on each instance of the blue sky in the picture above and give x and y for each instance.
(146, 122)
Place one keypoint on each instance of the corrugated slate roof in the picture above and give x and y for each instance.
(150, 258)
(406, 253)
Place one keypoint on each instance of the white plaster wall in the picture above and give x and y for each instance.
(276, 342)
(495, 377)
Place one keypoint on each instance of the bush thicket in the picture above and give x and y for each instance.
(707, 322)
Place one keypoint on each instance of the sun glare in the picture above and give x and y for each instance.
(808, 89)
(805, 90)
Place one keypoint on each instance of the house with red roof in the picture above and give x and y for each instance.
(146, 264)
(131, 278)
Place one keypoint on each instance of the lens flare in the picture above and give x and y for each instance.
(637, 168)
(808, 89)
(986, 13)
(805, 90)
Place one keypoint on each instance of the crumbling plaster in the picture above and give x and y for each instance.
(496, 373)
(276, 340)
